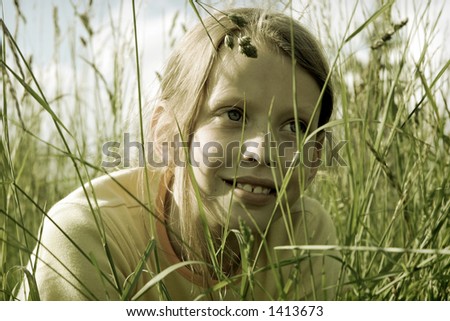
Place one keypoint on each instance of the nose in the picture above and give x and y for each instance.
(256, 150)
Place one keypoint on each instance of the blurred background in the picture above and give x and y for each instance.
(70, 84)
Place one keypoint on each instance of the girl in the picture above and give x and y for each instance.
(238, 97)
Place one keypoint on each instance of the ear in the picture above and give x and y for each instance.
(156, 115)
(157, 127)
(319, 145)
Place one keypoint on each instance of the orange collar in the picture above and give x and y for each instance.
(164, 241)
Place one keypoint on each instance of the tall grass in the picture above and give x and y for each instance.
(390, 199)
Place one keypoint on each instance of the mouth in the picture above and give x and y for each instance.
(254, 186)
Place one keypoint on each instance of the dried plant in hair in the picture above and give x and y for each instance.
(245, 42)
(245, 46)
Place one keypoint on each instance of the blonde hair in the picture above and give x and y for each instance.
(183, 90)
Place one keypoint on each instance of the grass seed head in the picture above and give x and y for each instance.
(237, 20)
(246, 47)
(244, 41)
(249, 51)
(229, 41)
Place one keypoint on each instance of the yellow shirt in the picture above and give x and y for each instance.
(83, 252)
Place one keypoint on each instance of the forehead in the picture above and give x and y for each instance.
(268, 77)
(231, 64)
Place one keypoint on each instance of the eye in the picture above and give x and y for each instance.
(302, 126)
(235, 115)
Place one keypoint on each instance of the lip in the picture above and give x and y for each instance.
(249, 197)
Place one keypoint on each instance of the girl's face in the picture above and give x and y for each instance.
(245, 136)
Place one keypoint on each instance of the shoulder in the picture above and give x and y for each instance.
(94, 231)
(128, 187)
(116, 204)
(309, 206)
(317, 221)
(312, 209)
(307, 222)
(124, 190)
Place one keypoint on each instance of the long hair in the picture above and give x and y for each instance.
(183, 91)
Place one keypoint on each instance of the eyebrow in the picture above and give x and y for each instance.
(225, 100)
(231, 98)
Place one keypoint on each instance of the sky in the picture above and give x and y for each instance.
(67, 58)
(36, 36)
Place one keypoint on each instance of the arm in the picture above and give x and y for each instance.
(323, 268)
(71, 261)
(316, 273)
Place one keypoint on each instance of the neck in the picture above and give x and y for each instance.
(188, 247)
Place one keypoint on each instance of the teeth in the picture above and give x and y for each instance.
(253, 189)
(257, 190)
(245, 187)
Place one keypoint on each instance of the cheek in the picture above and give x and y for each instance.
(204, 148)
(298, 163)
(286, 155)
(311, 156)
(213, 148)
